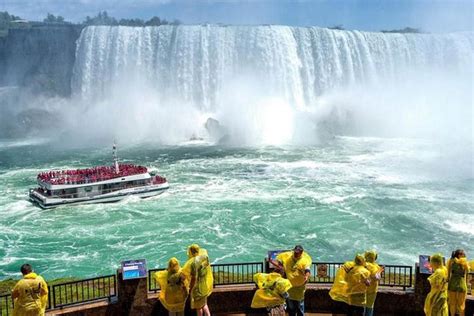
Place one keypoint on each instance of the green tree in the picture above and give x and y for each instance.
(337, 27)
(131, 22)
(102, 18)
(51, 18)
(5, 20)
(404, 30)
(154, 21)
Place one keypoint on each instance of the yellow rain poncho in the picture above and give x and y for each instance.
(30, 296)
(173, 287)
(295, 272)
(338, 290)
(350, 282)
(436, 301)
(458, 268)
(271, 290)
(375, 271)
(199, 268)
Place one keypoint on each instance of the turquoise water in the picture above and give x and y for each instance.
(403, 197)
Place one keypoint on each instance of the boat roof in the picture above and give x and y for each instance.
(88, 175)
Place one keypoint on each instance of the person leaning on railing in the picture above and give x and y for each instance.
(30, 294)
(296, 265)
(174, 288)
(350, 285)
(458, 268)
(272, 293)
(375, 271)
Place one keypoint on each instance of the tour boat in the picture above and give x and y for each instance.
(101, 184)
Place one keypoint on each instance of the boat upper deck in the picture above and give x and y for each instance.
(89, 175)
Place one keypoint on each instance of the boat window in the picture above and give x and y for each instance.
(87, 189)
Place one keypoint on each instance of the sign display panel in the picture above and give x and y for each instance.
(425, 266)
(272, 254)
(134, 269)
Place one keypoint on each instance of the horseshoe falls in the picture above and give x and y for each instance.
(269, 136)
(273, 84)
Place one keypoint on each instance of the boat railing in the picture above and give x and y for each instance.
(91, 175)
(161, 180)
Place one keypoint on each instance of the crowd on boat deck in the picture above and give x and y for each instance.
(89, 175)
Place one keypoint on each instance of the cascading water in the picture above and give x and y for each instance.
(242, 75)
(194, 62)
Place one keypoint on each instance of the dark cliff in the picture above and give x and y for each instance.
(40, 58)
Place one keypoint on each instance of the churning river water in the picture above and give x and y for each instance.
(403, 197)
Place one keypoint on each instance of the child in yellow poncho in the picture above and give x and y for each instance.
(436, 303)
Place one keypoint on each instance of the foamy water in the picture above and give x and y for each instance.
(393, 195)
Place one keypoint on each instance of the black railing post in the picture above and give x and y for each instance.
(54, 297)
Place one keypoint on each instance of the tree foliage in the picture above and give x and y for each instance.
(6, 18)
(51, 18)
(337, 27)
(404, 30)
(103, 18)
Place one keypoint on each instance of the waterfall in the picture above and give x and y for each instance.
(207, 67)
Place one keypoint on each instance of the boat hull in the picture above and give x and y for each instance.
(142, 192)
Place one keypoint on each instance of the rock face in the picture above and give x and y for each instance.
(40, 58)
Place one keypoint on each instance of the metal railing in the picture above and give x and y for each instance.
(70, 293)
(470, 283)
(235, 273)
(6, 305)
(396, 275)
(323, 272)
(393, 275)
(105, 287)
(224, 274)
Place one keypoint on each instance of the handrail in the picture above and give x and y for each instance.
(235, 273)
(392, 275)
(397, 275)
(105, 287)
(87, 290)
(6, 304)
(223, 273)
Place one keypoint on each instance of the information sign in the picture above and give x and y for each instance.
(134, 269)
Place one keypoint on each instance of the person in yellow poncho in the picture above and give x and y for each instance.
(271, 293)
(30, 294)
(436, 301)
(173, 285)
(198, 271)
(375, 275)
(296, 264)
(458, 268)
(350, 285)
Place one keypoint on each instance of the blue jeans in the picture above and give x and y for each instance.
(369, 311)
(295, 307)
